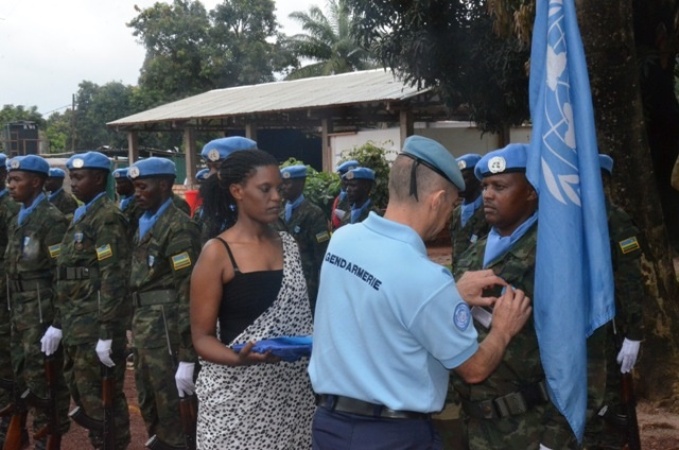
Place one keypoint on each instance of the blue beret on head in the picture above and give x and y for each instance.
(56, 172)
(606, 163)
(347, 166)
(151, 167)
(120, 173)
(434, 156)
(468, 161)
(29, 163)
(292, 172)
(89, 160)
(3, 159)
(509, 159)
(219, 149)
(360, 173)
(202, 174)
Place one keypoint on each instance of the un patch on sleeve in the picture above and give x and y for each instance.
(462, 316)
(181, 261)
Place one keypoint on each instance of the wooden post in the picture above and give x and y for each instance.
(251, 131)
(190, 153)
(406, 125)
(326, 150)
(132, 147)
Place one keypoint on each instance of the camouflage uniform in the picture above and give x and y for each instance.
(464, 236)
(520, 368)
(64, 203)
(30, 263)
(92, 305)
(364, 214)
(341, 205)
(133, 212)
(8, 211)
(160, 273)
(310, 229)
(626, 252)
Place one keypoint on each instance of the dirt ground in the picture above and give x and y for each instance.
(659, 428)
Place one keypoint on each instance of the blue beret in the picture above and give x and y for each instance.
(3, 159)
(359, 173)
(292, 172)
(509, 159)
(219, 149)
(606, 163)
(120, 173)
(88, 160)
(347, 166)
(468, 161)
(202, 174)
(151, 167)
(56, 172)
(435, 156)
(29, 163)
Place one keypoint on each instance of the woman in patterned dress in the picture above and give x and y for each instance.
(248, 285)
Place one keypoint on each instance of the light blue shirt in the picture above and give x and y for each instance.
(124, 202)
(497, 245)
(356, 211)
(389, 322)
(290, 207)
(147, 220)
(25, 212)
(467, 210)
(54, 194)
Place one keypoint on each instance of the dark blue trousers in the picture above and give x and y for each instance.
(340, 431)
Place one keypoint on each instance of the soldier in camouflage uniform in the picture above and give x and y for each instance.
(8, 211)
(307, 224)
(57, 196)
(165, 248)
(93, 309)
(340, 206)
(492, 419)
(627, 331)
(34, 243)
(468, 223)
(360, 182)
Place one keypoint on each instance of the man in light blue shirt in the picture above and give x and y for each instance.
(387, 333)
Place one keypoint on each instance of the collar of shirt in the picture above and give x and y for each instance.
(125, 202)
(53, 195)
(467, 210)
(290, 207)
(82, 209)
(342, 195)
(357, 211)
(146, 221)
(498, 245)
(395, 230)
(25, 212)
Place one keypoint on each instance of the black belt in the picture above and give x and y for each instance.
(74, 273)
(157, 297)
(19, 285)
(350, 405)
(508, 405)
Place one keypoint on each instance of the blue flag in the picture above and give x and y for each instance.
(574, 279)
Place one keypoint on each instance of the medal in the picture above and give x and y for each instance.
(151, 260)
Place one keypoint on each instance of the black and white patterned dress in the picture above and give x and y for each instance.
(263, 406)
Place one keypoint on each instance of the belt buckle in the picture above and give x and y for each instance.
(511, 404)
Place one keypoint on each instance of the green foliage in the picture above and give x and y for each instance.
(320, 187)
(374, 157)
(329, 42)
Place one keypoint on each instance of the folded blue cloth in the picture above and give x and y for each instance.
(287, 348)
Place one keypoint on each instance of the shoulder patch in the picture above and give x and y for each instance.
(322, 236)
(104, 252)
(181, 261)
(54, 250)
(629, 245)
(462, 316)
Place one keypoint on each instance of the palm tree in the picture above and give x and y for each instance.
(328, 42)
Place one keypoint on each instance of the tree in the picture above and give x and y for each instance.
(329, 42)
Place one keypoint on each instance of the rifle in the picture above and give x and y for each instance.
(16, 437)
(49, 404)
(104, 427)
(629, 404)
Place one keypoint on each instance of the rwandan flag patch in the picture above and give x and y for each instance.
(322, 236)
(629, 245)
(181, 261)
(104, 252)
(54, 250)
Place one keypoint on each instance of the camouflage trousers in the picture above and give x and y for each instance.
(28, 364)
(83, 372)
(154, 373)
(6, 372)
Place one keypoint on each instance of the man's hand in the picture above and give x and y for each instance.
(511, 312)
(246, 357)
(472, 284)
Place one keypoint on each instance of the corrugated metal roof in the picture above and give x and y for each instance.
(345, 89)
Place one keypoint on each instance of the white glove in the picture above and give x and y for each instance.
(184, 379)
(104, 352)
(49, 343)
(628, 355)
(543, 447)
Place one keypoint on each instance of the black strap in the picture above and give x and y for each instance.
(228, 250)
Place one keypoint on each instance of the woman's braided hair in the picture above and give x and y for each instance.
(219, 206)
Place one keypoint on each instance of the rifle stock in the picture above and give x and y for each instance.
(156, 444)
(104, 427)
(79, 416)
(16, 437)
(188, 409)
(629, 402)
